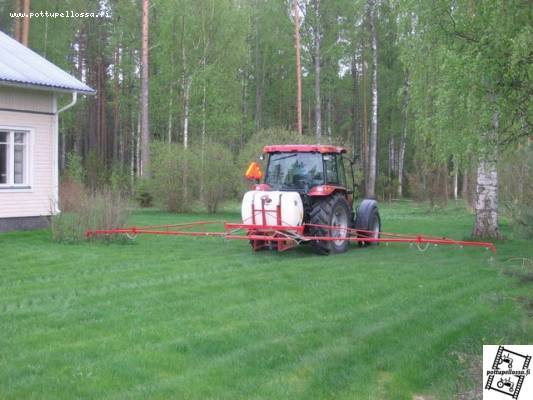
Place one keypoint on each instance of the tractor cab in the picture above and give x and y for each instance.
(305, 169)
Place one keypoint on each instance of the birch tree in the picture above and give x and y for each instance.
(145, 133)
(372, 159)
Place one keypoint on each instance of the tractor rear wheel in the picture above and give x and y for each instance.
(331, 211)
(368, 222)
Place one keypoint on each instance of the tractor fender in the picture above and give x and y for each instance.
(362, 214)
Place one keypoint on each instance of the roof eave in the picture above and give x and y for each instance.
(46, 88)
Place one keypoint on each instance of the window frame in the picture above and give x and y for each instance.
(27, 185)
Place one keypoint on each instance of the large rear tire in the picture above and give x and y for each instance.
(368, 220)
(331, 211)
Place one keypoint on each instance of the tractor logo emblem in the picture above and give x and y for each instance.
(507, 372)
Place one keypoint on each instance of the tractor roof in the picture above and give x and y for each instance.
(303, 148)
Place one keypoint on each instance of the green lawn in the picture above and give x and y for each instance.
(169, 317)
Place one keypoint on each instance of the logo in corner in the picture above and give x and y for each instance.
(507, 373)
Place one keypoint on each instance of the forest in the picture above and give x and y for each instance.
(432, 98)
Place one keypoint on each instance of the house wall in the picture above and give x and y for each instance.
(39, 198)
(24, 99)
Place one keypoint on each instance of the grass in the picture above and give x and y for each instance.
(197, 318)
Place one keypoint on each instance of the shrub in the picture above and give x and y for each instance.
(97, 171)
(75, 170)
(219, 176)
(72, 194)
(142, 194)
(120, 180)
(105, 209)
(174, 176)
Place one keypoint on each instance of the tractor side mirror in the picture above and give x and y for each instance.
(254, 173)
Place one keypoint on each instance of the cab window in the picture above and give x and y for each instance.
(331, 168)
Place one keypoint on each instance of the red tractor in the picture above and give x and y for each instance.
(305, 185)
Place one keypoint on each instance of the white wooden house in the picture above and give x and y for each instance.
(30, 87)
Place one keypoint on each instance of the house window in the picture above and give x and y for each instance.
(13, 158)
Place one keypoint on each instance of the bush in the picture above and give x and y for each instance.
(72, 194)
(120, 180)
(75, 170)
(516, 189)
(219, 176)
(174, 176)
(142, 194)
(106, 209)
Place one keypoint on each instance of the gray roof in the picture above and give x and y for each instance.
(20, 66)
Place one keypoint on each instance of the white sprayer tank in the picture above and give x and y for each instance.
(291, 208)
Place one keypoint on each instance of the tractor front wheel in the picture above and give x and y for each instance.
(332, 211)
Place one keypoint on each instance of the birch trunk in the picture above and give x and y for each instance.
(372, 167)
(364, 146)
(132, 147)
(486, 203)
(318, 114)
(138, 146)
(356, 140)
(403, 140)
(455, 181)
(186, 96)
(145, 134)
(170, 110)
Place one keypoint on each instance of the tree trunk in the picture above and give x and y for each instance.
(455, 180)
(329, 109)
(116, 104)
(372, 167)
(298, 67)
(356, 124)
(464, 186)
(26, 23)
(403, 140)
(244, 105)
(138, 144)
(145, 134)
(257, 74)
(186, 95)
(132, 148)
(17, 21)
(186, 82)
(486, 204)
(318, 114)
(364, 146)
(391, 169)
(170, 112)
